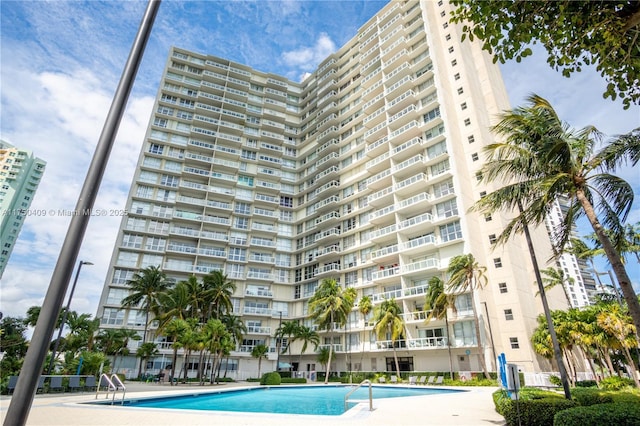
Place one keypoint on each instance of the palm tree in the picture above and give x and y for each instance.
(173, 329)
(465, 275)
(616, 323)
(218, 292)
(554, 277)
(145, 287)
(260, 352)
(324, 358)
(542, 158)
(146, 351)
(438, 303)
(306, 335)
(289, 329)
(389, 324)
(215, 334)
(365, 306)
(329, 305)
(173, 303)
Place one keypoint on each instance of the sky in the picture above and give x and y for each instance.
(60, 63)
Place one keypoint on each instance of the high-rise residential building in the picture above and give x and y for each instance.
(364, 173)
(579, 285)
(20, 174)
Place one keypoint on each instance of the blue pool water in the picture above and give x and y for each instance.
(316, 400)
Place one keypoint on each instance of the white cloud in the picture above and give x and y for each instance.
(308, 58)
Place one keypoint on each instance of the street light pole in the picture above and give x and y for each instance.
(64, 315)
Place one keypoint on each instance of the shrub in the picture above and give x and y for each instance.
(615, 383)
(620, 414)
(535, 407)
(271, 379)
(590, 396)
(555, 380)
(294, 380)
(586, 384)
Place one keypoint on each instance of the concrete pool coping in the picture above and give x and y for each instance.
(474, 407)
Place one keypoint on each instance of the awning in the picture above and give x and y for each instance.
(284, 365)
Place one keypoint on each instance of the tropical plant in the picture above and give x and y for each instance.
(554, 277)
(467, 276)
(218, 292)
(389, 324)
(365, 306)
(174, 329)
(289, 329)
(541, 159)
(145, 351)
(438, 302)
(330, 305)
(324, 358)
(617, 324)
(260, 352)
(306, 335)
(145, 287)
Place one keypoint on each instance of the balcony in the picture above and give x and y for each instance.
(386, 233)
(382, 215)
(409, 224)
(381, 198)
(252, 310)
(258, 330)
(385, 254)
(387, 295)
(385, 274)
(415, 204)
(421, 266)
(418, 244)
(258, 293)
(418, 316)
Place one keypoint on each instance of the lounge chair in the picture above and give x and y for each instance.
(422, 380)
(13, 380)
(382, 380)
(413, 380)
(55, 384)
(431, 380)
(74, 383)
(439, 380)
(90, 383)
(40, 385)
(394, 379)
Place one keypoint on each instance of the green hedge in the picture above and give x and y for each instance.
(590, 396)
(621, 414)
(586, 384)
(293, 380)
(534, 407)
(271, 379)
(615, 383)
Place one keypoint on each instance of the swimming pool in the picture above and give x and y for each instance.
(312, 400)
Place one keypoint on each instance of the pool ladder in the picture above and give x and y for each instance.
(112, 383)
(346, 397)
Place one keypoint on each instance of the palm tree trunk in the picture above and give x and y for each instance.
(614, 259)
(547, 312)
(631, 365)
(326, 376)
(446, 322)
(395, 358)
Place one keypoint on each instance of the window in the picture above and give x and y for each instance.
(450, 232)
(443, 13)
(483, 194)
(514, 343)
(445, 25)
(479, 176)
(454, 63)
(447, 37)
(451, 49)
(460, 90)
(503, 287)
(497, 262)
(487, 217)
(474, 156)
(464, 333)
(471, 139)
(467, 121)
(508, 314)
(463, 106)
(492, 238)
(155, 148)
(456, 76)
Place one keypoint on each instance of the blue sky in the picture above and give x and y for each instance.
(61, 62)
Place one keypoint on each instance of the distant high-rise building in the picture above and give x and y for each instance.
(20, 174)
(364, 172)
(579, 286)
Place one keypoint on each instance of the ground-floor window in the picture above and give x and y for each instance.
(405, 363)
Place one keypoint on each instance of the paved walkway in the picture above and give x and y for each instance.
(463, 409)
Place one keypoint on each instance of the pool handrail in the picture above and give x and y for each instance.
(111, 386)
(346, 397)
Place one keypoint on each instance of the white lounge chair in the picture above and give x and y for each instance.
(394, 379)
(413, 380)
(431, 380)
(422, 380)
(439, 380)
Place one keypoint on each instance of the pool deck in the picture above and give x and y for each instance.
(474, 407)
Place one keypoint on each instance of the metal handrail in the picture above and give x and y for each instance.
(346, 397)
(111, 386)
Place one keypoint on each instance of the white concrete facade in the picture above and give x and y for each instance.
(364, 172)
